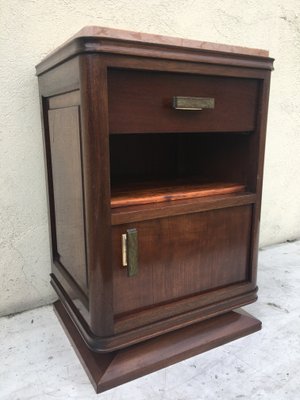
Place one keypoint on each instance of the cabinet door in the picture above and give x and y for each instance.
(181, 256)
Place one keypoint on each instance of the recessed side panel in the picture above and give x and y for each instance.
(67, 213)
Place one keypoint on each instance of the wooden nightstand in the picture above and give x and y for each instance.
(154, 150)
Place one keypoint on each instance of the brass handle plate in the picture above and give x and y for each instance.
(130, 251)
(193, 103)
(124, 250)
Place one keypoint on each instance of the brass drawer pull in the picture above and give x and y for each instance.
(193, 103)
(130, 251)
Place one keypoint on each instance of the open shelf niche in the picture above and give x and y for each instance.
(160, 170)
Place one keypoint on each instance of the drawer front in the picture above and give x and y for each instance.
(182, 256)
(142, 102)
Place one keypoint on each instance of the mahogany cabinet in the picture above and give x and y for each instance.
(154, 150)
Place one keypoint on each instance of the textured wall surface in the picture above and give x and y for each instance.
(30, 29)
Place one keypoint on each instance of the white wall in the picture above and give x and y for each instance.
(29, 29)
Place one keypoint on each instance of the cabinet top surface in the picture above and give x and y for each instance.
(109, 40)
(102, 32)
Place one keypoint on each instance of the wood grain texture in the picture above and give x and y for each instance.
(130, 330)
(257, 168)
(141, 102)
(72, 288)
(95, 167)
(62, 79)
(112, 369)
(144, 212)
(158, 192)
(204, 157)
(197, 256)
(65, 100)
(182, 256)
(109, 33)
(184, 310)
(68, 212)
(154, 46)
(185, 66)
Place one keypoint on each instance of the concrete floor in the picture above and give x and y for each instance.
(37, 361)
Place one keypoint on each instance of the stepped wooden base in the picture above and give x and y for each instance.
(112, 369)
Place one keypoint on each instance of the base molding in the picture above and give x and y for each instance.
(107, 370)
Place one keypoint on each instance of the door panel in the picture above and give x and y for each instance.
(181, 256)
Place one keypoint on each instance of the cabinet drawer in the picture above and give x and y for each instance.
(142, 102)
(182, 256)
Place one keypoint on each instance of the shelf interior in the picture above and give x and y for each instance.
(167, 174)
(137, 193)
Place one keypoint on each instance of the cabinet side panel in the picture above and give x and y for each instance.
(69, 247)
(96, 176)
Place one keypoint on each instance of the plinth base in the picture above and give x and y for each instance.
(107, 370)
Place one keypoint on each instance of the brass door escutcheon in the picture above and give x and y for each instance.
(130, 251)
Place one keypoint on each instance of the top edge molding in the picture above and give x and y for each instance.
(116, 41)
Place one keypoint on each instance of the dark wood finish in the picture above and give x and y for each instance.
(184, 310)
(125, 215)
(121, 61)
(182, 256)
(65, 100)
(258, 148)
(157, 48)
(175, 315)
(148, 96)
(97, 191)
(196, 157)
(106, 371)
(68, 221)
(61, 79)
(158, 192)
(112, 140)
